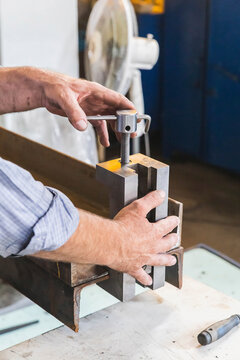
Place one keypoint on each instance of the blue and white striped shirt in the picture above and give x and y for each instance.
(33, 217)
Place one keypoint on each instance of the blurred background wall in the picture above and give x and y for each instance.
(44, 34)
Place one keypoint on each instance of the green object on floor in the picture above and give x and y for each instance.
(212, 270)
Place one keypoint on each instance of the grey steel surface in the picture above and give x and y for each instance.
(126, 184)
(126, 124)
(126, 121)
(125, 149)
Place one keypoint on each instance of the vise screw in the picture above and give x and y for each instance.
(126, 124)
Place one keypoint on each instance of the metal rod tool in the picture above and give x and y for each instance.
(17, 327)
(218, 330)
(126, 124)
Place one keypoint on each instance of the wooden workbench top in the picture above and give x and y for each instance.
(161, 325)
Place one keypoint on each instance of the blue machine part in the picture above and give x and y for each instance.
(183, 55)
(222, 111)
(193, 93)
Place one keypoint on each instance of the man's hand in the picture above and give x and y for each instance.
(26, 88)
(126, 243)
(144, 243)
(76, 98)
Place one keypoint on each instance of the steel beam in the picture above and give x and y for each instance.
(41, 286)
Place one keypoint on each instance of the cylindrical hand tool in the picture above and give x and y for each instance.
(16, 327)
(218, 330)
(126, 124)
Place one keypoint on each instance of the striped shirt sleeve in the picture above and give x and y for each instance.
(33, 217)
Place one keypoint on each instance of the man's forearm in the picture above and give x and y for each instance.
(19, 90)
(95, 241)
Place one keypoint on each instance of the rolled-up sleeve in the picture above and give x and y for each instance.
(33, 217)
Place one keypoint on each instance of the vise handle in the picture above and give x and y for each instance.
(126, 124)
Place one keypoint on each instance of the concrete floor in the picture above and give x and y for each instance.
(211, 199)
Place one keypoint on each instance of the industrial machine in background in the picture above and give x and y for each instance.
(114, 53)
(193, 93)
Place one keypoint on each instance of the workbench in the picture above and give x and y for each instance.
(160, 324)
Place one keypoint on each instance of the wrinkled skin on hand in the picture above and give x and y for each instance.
(126, 243)
(76, 98)
(144, 243)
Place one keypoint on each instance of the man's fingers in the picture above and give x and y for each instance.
(73, 110)
(148, 202)
(111, 98)
(165, 226)
(124, 103)
(102, 130)
(133, 135)
(141, 276)
(166, 243)
(116, 100)
(78, 118)
(162, 260)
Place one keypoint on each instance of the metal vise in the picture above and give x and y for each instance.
(126, 184)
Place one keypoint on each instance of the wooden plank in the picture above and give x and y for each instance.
(160, 324)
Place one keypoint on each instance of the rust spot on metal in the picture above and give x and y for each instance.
(58, 270)
(174, 274)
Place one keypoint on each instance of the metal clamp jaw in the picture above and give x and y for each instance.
(126, 124)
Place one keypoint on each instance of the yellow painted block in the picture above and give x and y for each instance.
(149, 6)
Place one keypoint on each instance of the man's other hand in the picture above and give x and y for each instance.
(76, 98)
(144, 243)
(26, 88)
